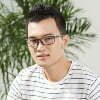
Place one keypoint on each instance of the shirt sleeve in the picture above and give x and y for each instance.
(95, 90)
(15, 90)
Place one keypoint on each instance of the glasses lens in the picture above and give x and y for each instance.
(48, 40)
(33, 42)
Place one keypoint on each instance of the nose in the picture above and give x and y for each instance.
(40, 46)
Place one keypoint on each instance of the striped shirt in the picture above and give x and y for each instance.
(80, 83)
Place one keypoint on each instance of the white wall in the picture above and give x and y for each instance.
(92, 11)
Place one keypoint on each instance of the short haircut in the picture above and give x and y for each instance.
(42, 11)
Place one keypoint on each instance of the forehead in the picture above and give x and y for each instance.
(46, 26)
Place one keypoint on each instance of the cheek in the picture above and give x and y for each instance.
(60, 46)
(32, 51)
(58, 49)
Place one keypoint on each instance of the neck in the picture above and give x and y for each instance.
(57, 71)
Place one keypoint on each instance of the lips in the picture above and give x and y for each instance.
(42, 56)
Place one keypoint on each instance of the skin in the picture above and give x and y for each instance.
(50, 57)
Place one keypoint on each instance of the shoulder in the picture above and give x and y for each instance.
(26, 73)
(22, 79)
(29, 70)
(83, 71)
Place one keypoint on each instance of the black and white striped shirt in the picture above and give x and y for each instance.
(79, 84)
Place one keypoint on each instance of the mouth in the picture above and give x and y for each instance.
(43, 57)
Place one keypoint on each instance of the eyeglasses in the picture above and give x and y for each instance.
(46, 40)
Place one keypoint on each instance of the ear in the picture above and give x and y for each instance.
(66, 40)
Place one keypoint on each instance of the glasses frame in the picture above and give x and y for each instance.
(42, 41)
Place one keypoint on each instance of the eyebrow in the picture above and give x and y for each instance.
(41, 36)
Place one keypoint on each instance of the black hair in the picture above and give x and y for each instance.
(42, 11)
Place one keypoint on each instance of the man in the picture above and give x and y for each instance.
(53, 77)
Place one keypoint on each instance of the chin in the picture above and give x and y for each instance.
(42, 64)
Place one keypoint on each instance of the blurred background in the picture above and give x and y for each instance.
(91, 10)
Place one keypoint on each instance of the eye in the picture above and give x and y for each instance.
(49, 38)
(34, 41)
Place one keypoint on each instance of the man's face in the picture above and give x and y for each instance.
(46, 55)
